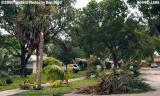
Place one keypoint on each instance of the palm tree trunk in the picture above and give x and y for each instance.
(37, 64)
(40, 60)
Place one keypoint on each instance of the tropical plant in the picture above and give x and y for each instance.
(53, 72)
(52, 61)
(121, 82)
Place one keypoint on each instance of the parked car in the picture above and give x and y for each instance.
(154, 65)
(76, 68)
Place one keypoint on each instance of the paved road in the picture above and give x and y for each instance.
(152, 77)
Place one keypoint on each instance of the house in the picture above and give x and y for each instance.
(157, 60)
(32, 63)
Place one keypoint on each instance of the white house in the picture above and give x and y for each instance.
(32, 63)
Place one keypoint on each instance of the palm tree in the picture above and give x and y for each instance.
(40, 60)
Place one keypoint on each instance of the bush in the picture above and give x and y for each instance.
(92, 72)
(24, 86)
(28, 84)
(56, 83)
(9, 81)
(2, 83)
(70, 67)
(53, 72)
(52, 61)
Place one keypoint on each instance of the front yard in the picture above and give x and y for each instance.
(58, 91)
(16, 81)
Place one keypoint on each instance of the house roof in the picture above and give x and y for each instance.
(157, 59)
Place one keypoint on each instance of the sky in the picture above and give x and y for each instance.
(82, 3)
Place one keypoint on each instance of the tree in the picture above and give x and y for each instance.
(25, 22)
(40, 59)
(151, 14)
(11, 44)
(105, 25)
(9, 53)
(19, 23)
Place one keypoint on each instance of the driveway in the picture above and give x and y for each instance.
(152, 76)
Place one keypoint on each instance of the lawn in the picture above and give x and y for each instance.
(76, 75)
(58, 91)
(16, 81)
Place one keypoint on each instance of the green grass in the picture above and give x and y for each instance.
(76, 75)
(16, 81)
(62, 89)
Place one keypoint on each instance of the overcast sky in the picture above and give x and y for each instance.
(83, 3)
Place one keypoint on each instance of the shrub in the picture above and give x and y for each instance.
(2, 83)
(92, 71)
(70, 67)
(52, 61)
(9, 81)
(56, 83)
(24, 86)
(53, 72)
(28, 84)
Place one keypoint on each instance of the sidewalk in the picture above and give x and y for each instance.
(11, 92)
(18, 90)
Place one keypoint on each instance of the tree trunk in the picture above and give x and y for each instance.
(23, 70)
(37, 64)
(24, 61)
(115, 61)
(39, 60)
